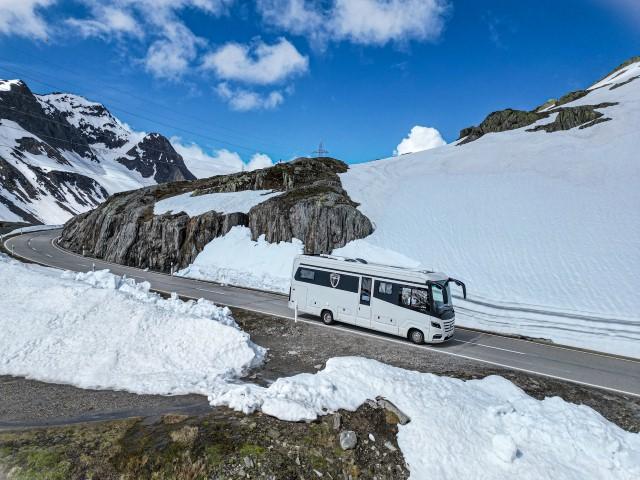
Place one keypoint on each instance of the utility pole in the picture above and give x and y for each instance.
(321, 152)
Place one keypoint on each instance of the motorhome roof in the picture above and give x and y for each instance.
(434, 276)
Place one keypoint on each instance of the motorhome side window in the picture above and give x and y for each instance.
(307, 274)
(414, 298)
(385, 288)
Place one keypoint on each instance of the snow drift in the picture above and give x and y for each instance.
(98, 330)
(486, 428)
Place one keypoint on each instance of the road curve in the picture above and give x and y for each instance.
(593, 369)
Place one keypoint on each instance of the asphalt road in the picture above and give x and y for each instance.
(587, 368)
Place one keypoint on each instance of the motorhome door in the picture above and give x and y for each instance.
(364, 305)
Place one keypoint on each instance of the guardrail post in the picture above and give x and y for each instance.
(93, 267)
(295, 311)
(171, 269)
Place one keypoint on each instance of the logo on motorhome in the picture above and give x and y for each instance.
(334, 278)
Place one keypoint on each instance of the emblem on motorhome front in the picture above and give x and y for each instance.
(334, 278)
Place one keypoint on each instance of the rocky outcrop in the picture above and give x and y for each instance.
(583, 116)
(313, 207)
(500, 121)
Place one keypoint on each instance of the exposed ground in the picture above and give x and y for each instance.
(132, 439)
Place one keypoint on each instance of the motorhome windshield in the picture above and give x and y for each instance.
(441, 294)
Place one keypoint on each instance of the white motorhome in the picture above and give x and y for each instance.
(411, 303)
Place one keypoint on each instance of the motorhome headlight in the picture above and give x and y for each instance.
(436, 325)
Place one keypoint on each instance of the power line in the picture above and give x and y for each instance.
(214, 139)
(116, 108)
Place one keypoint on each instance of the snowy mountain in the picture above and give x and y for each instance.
(61, 155)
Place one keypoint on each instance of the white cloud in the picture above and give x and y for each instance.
(367, 22)
(107, 21)
(381, 21)
(172, 47)
(23, 17)
(219, 162)
(244, 100)
(260, 64)
(259, 160)
(299, 17)
(420, 138)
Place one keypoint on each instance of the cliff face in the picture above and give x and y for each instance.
(313, 207)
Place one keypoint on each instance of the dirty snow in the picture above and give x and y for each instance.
(487, 429)
(226, 202)
(97, 330)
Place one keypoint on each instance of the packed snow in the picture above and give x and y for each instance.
(226, 202)
(485, 428)
(238, 260)
(98, 330)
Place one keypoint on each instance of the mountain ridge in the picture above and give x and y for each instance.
(62, 154)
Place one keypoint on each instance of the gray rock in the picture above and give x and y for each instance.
(348, 440)
(403, 418)
(337, 421)
(312, 207)
(248, 462)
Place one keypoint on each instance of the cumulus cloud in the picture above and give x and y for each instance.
(420, 138)
(366, 22)
(258, 161)
(243, 100)
(24, 18)
(219, 162)
(172, 47)
(260, 63)
(379, 22)
(107, 21)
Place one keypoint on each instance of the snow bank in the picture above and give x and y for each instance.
(486, 428)
(237, 260)
(227, 202)
(97, 330)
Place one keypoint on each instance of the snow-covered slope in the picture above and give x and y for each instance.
(61, 154)
(529, 219)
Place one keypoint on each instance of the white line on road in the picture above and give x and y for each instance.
(210, 291)
(487, 346)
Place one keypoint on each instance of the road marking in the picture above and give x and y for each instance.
(48, 255)
(487, 346)
(83, 265)
(210, 291)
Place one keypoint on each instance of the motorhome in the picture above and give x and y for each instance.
(412, 303)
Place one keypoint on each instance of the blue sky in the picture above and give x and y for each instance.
(278, 76)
